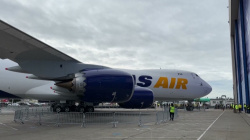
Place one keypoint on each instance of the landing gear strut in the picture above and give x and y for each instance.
(190, 106)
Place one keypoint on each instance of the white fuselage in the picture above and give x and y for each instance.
(172, 84)
(165, 84)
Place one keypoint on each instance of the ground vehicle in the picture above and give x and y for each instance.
(13, 104)
(3, 104)
(24, 104)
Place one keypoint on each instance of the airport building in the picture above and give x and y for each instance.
(239, 21)
(220, 101)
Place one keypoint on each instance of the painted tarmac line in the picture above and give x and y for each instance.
(143, 138)
(209, 127)
(8, 126)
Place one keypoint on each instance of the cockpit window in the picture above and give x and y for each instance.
(196, 75)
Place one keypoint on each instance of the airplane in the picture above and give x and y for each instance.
(31, 69)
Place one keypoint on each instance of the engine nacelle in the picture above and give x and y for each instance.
(142, 98)
(103, 85)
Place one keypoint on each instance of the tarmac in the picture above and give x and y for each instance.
(211, 124)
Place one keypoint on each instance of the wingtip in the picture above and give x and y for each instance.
(6, 69)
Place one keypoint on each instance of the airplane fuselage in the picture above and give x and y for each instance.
(171, 84)
(165, 84)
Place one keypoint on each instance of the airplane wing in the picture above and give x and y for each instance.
(36, 57)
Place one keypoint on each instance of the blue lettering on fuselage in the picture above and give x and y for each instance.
(162, 82)
(145, 80)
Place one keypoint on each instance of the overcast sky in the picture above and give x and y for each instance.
(190, 35)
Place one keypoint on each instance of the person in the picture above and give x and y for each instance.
(171, 111)
(245, 108)
(236, 108)
(240, 108)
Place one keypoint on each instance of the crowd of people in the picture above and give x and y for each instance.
(239, 108)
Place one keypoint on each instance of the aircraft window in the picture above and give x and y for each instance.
(179, 73)
(196, 75)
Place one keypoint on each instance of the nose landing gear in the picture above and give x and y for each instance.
(189, 106)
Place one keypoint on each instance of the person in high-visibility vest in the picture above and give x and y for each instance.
(171, 111)
(236, 107)
(248, 108)
(239, 108)
(245, 108)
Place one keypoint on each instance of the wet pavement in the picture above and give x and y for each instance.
(210, 124)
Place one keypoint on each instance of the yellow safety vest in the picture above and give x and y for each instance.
(233, 106)
(240, 106)
(236, 107)
(172, 109)
(245, 106)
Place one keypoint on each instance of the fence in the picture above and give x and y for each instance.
(14, 108)
(45, 116)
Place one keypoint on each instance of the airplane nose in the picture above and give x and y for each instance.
(207, 88)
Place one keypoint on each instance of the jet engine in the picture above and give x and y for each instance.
(103, 85)
(142, 98)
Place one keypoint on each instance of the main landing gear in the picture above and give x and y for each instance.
(70, 106)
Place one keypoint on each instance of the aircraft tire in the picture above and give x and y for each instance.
(58, 109)
(191, 108)
(90, 109)
(82, 109)
(67, 109)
